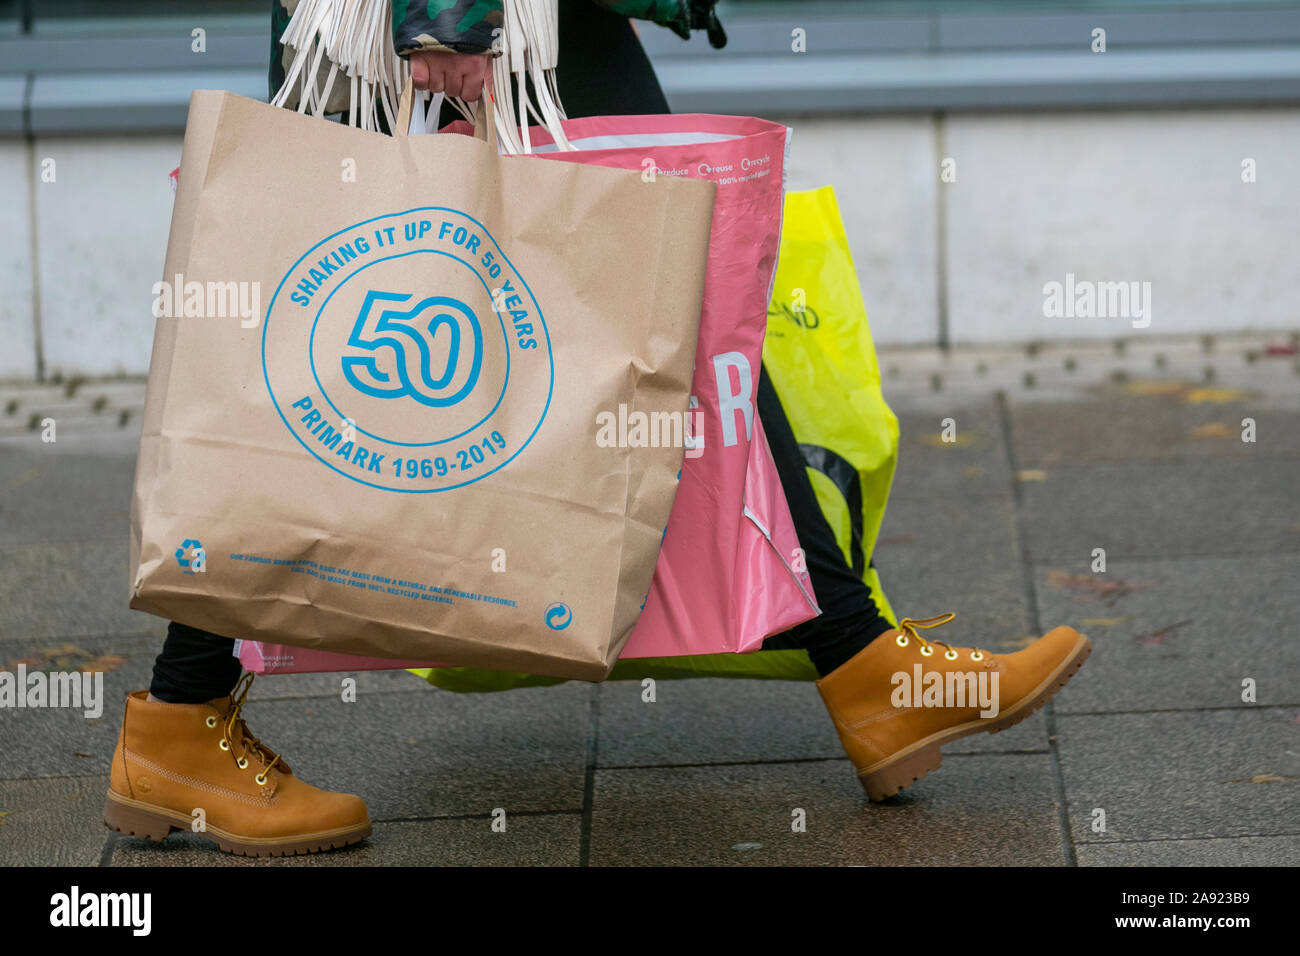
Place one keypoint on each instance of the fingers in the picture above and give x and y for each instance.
(454, 82)
(456, 74)
(419, 72)
(477, 72)
(429, 69)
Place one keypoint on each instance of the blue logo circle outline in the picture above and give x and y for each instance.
(311, 356)
(568, 615)
(541, 319)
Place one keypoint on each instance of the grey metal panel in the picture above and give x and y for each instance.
(134, 101)
(858, 59)
(12, 91)
(979, 81)
(1183, 27)
(81, 54)
(121, 25)
(753, 35)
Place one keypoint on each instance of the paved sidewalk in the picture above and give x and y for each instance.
(1058, 451)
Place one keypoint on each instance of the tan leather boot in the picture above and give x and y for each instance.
(173, 760)
(901, 698)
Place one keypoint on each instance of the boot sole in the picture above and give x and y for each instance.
(886, 778)
(133, 818)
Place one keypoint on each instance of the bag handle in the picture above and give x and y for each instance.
(485, 125)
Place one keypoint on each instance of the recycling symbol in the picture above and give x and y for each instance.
(191, 556)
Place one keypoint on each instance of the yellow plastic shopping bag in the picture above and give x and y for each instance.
(819, 354)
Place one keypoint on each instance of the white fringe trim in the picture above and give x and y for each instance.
(353, 38)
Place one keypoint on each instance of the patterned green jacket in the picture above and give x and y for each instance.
(465, 26)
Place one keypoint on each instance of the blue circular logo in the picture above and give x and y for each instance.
(559, 616)
(407, 353)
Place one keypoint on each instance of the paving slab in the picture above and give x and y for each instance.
(63, 742)
(289, 686)
(1172, 776)
(1155, 427)
(713, 721)
(1242, 851)
(69, 589)
(528, 840)
(742, 721)
(1179, 634)
(57, 493)
(975, 811)
(1153, 509)
(432, 753)
(959, 554)
(56, 821)
(974, 462)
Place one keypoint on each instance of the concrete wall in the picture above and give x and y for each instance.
(17, 329)
(100, 239)
(1147, 196)
(1106, 196)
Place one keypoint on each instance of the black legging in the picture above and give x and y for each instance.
(604, 71)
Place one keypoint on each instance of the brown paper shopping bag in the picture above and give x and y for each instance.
(390, 447)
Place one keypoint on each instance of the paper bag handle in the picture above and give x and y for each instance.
(485, 127)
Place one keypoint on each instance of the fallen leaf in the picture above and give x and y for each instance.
(25, 477)
(77, 753)
(898, 539)
(1108, 589)
(30, 662)
(1149, 388)
(1031, 474)
(105, 662)
(1214, 430)
(1268, 778)
(1161, 636)
(1213, 396)
(938, 441)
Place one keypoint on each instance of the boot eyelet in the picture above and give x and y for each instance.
(211, 721)
(223, 745)
(242, 763)
(261, 779)
(976, 656)
(951, 655)
(901, 640)
(927, 651)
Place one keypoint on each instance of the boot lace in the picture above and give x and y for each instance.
(237, 732)
(909, 628)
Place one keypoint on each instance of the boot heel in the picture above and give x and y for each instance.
(136, 822)
(888, 780)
